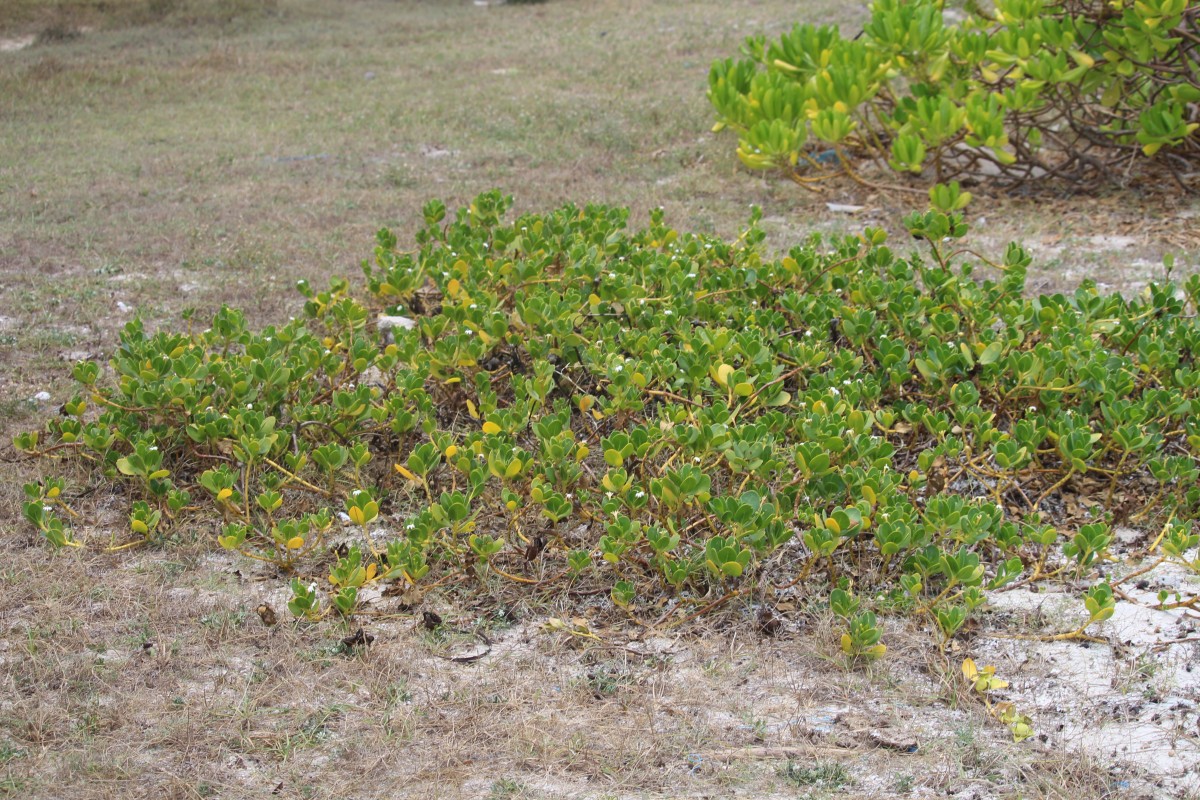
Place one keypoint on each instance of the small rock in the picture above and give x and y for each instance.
(387, 326)
(386, 323)
(123, 308)
(42, 397)
(841, 208)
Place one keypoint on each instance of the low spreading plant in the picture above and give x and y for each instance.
(1076, 90)
(659, 417)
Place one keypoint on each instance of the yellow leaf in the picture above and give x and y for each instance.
(371, 570)
(491, 427)
(969, 669)
(405, 472)
(451, 451)
(139, 526)
(295, 543)
(224, 495)
(357, 516)
(474, 412)
(54, 492)
(724, 372)
(453, 287)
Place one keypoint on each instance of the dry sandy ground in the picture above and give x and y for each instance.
(150, 675)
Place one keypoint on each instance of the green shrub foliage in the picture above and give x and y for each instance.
(1079, 90)
(650, 414)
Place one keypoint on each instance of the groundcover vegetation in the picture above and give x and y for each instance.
(670, 420)
(1074, 91)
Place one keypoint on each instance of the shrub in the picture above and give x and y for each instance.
(1076, 90)
(650, 414)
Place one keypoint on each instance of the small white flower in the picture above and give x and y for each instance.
(1032, 409)
(618, 368)
(412, 526)
(834, 390)
(691, 274)
(808, 332)
(642, 302)
(669, 312)
(474, 305)
(153, 447)
(569, 495)
(846, 382)
(47, 508)
(312, 587)
(696, 459)
(356, 493)
(612, 275)
(640, 494)
(267, 339)
(249, 406)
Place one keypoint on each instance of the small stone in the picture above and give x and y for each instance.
(387, 323)
(42, 397)
(387, 326)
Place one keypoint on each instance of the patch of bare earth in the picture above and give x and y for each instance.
(152, 674)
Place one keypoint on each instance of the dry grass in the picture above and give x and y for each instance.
(185, 154)
(153, 677)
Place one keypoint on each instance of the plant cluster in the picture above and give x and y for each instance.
(1078, 90)
(671, 419)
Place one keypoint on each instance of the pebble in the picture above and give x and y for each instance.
(42, 397)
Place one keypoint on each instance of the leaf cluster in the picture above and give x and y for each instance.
(1031, 89)
(656, 414)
